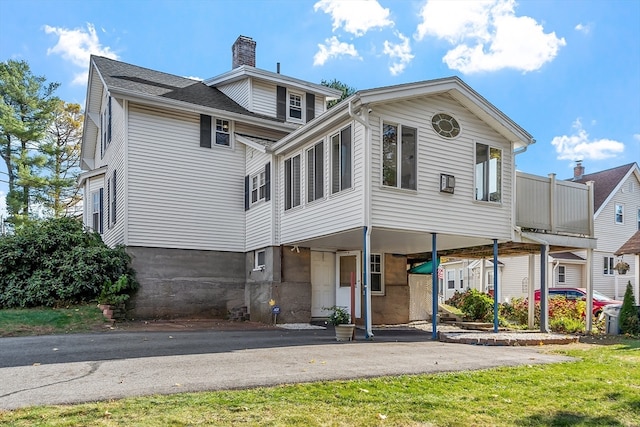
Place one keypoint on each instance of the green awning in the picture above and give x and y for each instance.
(424, 268)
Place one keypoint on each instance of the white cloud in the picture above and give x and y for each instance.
(487, 35)
(400, 53)
(579, 146)
(636, 136)
(583, 28)
(76, 46)
(332, 49)
(355, 16)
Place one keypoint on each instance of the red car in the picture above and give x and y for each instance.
(599, 300)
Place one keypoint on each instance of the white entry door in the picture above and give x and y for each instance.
(323, 285)
(348, 267)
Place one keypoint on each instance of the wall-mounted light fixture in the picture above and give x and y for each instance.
(447, 183)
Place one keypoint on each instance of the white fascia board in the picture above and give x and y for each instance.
(200, 109)
(249, 143)
(90, 174)
(246, 71)
(632, 171)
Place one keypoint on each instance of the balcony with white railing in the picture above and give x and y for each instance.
(546, 205)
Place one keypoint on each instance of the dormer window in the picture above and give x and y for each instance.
(295, 106)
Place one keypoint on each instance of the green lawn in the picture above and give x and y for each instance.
(602, 388)
(42, 321)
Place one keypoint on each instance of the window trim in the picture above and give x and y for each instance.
(451, 279)
(399, 151)
(97, 210)
(336, 166)
(616, 214)
(315, 183)
(301, 106)
(380, 273)
(290, 183)
(609, 263)
(486, 174)
(215, 132)
(256, 259)
(562, 274)
(259, 190)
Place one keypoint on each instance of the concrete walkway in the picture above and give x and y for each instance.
(231, 361)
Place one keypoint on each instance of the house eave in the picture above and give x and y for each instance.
(195, 108)
(91, 174)
(246, 71)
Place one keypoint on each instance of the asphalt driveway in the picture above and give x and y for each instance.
(65, 369)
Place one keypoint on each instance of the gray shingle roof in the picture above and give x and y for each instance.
(120, 75)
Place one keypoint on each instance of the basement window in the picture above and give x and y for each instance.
(259, 259)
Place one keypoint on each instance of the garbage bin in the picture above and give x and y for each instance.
(612, 316)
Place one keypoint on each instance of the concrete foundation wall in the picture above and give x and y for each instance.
(286, 280)
(393, 307)
(178, 283)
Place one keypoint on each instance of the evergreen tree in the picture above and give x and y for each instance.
(629, 318)
(26, 105)
(347, 90)
(61, 147)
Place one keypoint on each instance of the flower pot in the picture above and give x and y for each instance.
(344, 332)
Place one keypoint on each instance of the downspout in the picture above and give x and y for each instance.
(556, 264)
(366, 206)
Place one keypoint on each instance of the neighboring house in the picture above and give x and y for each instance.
(616, 219)
(243, 190)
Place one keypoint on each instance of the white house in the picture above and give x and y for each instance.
(244, 190)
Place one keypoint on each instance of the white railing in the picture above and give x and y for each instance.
(552, 206)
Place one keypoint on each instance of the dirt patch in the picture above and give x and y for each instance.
(172, 325)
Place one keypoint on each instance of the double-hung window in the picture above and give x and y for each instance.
(619, 213)
(451, 279)
(399, 157)
(223, 132)
(292, 182)
(258, 186)
(461, 276)
(341, 149)
(488, 173)
(96, 211)
(562, 274)
(609, 262)
(315, 172)
(295, 106)
(376, 274)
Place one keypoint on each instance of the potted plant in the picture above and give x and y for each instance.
(622, 267)
(341, 319)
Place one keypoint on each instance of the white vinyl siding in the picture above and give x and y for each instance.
(180, 195)
(238, 91)
(264, 98)
(115, 158)
(259, 218)
(318, 218)
(429, 209)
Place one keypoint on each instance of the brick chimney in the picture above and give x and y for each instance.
(578, 170)
(244, 52)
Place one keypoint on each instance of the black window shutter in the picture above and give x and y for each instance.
(311, 106)
(101, 214)
(267, 182)
(246, 193)
(281, 111)
(114, 201)
(109, 125)
(109, 203)
(205, 131)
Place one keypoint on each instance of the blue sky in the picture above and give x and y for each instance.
(567, 71)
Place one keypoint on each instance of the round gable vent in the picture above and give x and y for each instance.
(445, 125)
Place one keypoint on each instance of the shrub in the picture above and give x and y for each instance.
(629, 320)
(339, 315)
(54, 261)
(477, 306)
(457, 298)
